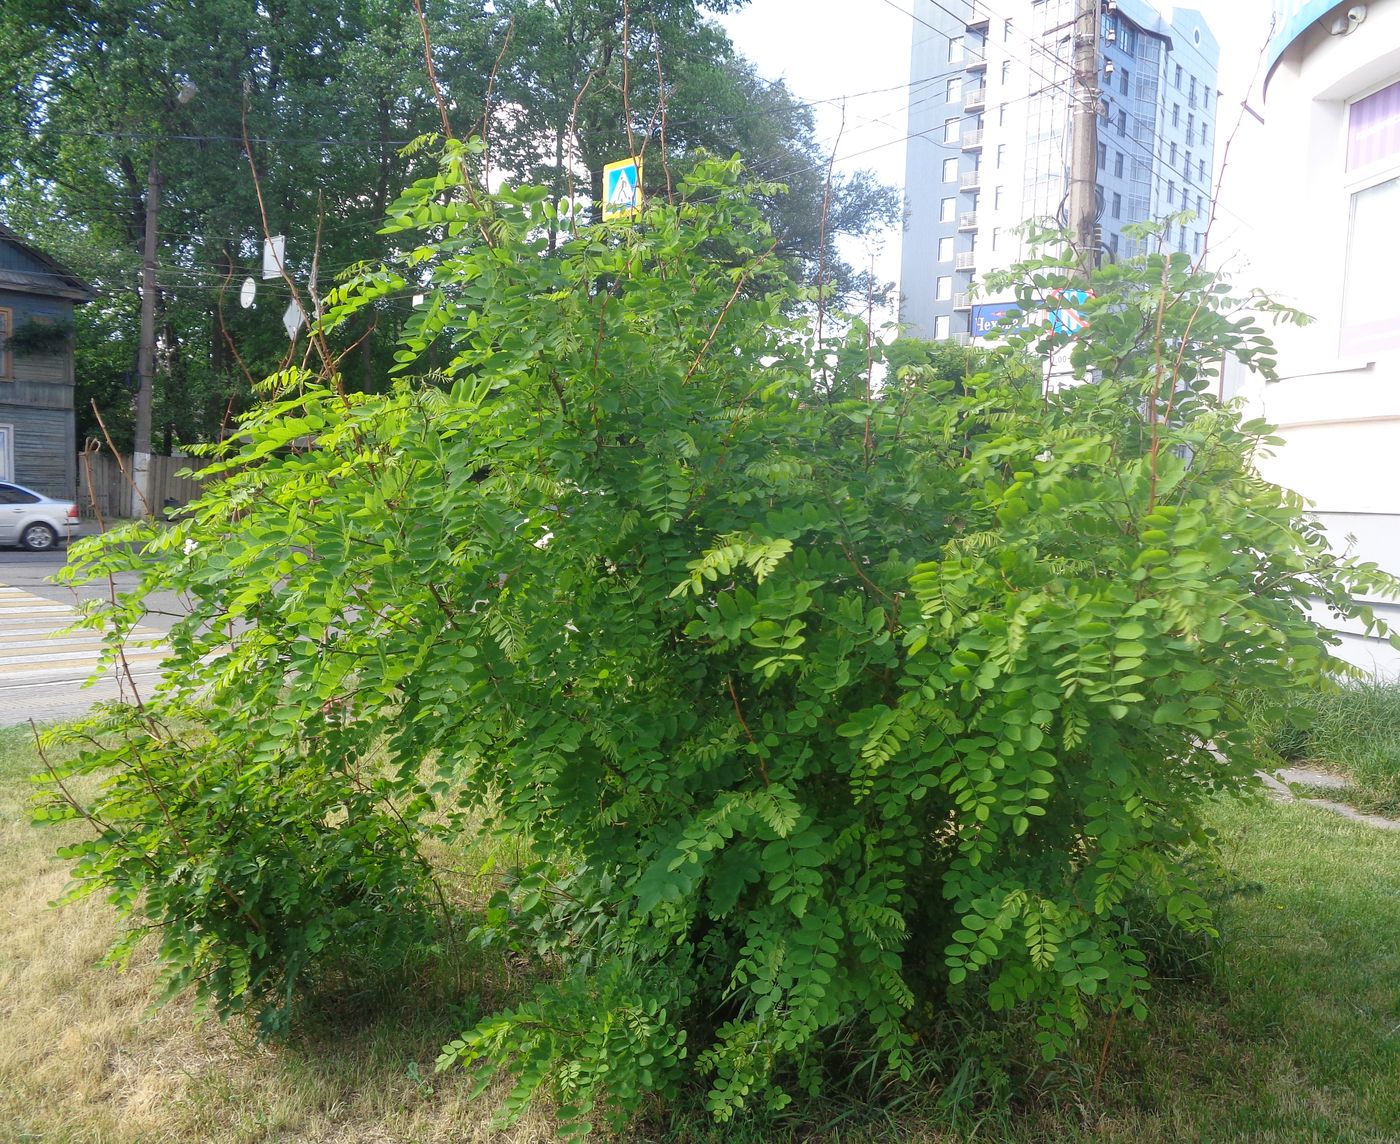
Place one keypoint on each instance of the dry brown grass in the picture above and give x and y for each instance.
(84, 1058)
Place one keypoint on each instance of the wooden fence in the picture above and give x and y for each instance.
(105, 490)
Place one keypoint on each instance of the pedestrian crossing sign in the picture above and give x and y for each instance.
(622, 189)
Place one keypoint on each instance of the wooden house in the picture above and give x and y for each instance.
(37, 296)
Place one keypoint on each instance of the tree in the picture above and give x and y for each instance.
(317, 98)
(816, 709)
(581, 83)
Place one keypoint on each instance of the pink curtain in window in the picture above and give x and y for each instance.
(1373, 130)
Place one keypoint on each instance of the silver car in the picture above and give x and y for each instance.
(34, 521)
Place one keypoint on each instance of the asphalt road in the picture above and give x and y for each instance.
(44, 671)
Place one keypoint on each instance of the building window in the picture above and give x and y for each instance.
(1005, 70)
(1103, 156)
(1178, 77)
(943, 288)
(1117, 205)
(952, 128)
(1001, 154)
(947, 210)
(1118, 163)
(7, 319)
(1172, 160)
(950, 169)
(1369, 310)
(1192, 96)
(1122, 123)
(1205, 98)
(1113, 243)
(1127, 37)
(1171, 191)
(1198, 242)
(955, 49)
(1190, 127)
(955, 89)
(1373, 128)
(1123, 81)
(1200, 206)
(1200, 170)
(941, 326)
(1006, 31)
(996, 236)
(996, 197)
(1176, 115)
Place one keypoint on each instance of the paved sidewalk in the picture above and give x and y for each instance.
(1280, 784)
(43, 668)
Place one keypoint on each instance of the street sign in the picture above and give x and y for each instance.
(274, 256)
(622, 189)
(292, 319)
(1064, 318)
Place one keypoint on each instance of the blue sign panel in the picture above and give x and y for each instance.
(986, 320)
(1291, 20)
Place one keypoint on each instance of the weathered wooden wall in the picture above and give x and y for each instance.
(105, 491)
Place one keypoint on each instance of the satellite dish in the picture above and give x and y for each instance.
(245, 295)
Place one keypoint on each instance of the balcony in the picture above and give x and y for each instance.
(974, 59)
(962, 301)
(967, 220)
(965, 260)
(975, 98)
(978, 23)
(972, 140)
(970, 180)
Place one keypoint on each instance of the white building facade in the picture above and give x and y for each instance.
(1329, 243)
(989, 140)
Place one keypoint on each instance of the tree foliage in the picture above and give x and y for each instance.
(319, 99)
(815, 709)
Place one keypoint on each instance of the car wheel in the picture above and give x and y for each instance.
(38, 537)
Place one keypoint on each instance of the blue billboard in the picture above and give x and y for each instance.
(987, 319)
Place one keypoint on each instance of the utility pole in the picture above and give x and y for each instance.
(1084, 134)
(146, 356)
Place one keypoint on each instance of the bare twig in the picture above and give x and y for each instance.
(739, 714)
(627, 75)
(486, 107)
(738, 286)
(573, 129)
(661, 105)
(821, 242)
(1230, 142)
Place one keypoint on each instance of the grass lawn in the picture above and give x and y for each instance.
(1354, 733)
(1289, 1033)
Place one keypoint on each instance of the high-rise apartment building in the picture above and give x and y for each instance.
(989, 140)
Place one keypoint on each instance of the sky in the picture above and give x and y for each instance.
(857, 51)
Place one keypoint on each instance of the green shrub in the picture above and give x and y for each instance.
(818, 703)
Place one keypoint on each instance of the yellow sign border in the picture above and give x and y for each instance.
(610, 212)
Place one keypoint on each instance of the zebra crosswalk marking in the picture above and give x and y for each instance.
(35, 646)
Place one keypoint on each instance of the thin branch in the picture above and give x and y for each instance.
(486, 107)
(573, 129)
(661, 104)
(739, 714)
(738, 286)
(627, 76)
(821, 242)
